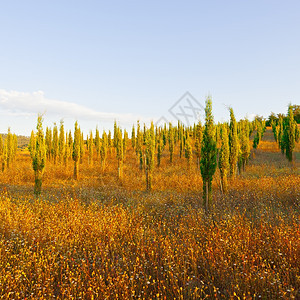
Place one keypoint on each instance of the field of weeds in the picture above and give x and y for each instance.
(105, 238)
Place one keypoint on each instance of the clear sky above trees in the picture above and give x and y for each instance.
(97, 61)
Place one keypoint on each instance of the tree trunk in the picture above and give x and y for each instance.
(75, 170)
(37, 183)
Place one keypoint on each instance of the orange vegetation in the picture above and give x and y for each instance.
(105, 238)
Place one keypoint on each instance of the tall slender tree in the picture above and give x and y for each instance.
(290, 134)
(76, 150)
(90, 142)
(224, 157)
(97, 142)
(150, 154)
(198, 142)
(171, 142)
(103, 150)
(133, 137)
(39, 157)
(48, 141)
(61, 142)
(233, 144)
(188, 151)
(208, 162)
(55, 142)
(120, 151)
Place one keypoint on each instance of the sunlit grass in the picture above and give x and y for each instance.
(105, 238)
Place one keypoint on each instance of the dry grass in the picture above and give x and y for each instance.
(104, 238)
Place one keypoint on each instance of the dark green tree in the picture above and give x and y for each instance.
(39, 157)
(224, 157)
(208, 162)
(233, 144)
(76, 150)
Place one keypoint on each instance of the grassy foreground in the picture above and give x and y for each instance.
(101, 238)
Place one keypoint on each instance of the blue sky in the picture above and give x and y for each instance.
(97, 61)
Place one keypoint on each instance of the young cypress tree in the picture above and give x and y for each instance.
(244, 145)
(61, 142)
(97, 142)
(82, 146)
(39, 158)
(103, 150)
(159, 149)
(139, 145)
(133, 137)
(76, 150)
(138, 139)
(171, 142)
(289, 134)
(125, 141)
(4, 157)
(67, 150)
(90, 148)
(120, 152)
(208, 162)
(180, 139)
(198, 142)
(233, 144)
(144, 134)
(280, 134)
(48, 141)
(55, 142)
(70, 142)
(109, 141)
(188, 151)
(165, 135)
(224, 157)
(150, 154)
(116, 128)
(32, 144)
(9, 143)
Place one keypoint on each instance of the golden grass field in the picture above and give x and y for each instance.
(105, 238)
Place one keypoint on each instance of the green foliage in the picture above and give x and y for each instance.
(125, 141)
(55, 149)
(32, 144)
(208, 162)
(61, 141)
(39, 157)
(224, 157)
(290, 134)
(171, 142)
(188, 150)
(120, 151)
(97, 142)
(244, 148)
(90, 142)
(76, 149)
(133, 140)
(233, 144)
(150, 155)
(198, 142)
(159, 149)
(103, 150)
(48, 141)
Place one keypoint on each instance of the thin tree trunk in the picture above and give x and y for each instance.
(75, 170)
(206, 203)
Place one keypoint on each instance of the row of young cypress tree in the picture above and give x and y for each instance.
(8, 150)
(210, 146)
(286, 133)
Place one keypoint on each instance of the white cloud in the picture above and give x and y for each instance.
(21, 104)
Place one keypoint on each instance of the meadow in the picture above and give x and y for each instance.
(102, 237)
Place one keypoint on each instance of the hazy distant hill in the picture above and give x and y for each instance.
(23, 141)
